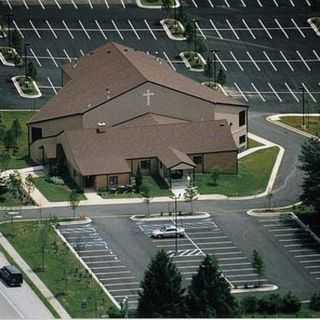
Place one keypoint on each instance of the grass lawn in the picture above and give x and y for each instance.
(7, 200)
(63, 274)
(253, 143)
(54, 192)
(158, 188)
(312, 126)
(252, 178)
(19, 160)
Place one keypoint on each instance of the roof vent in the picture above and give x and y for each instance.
(108, 51)
(101, 127)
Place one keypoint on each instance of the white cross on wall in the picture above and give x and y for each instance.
(148, 94)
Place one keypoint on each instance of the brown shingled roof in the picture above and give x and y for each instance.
(108, 152)
(118, 69)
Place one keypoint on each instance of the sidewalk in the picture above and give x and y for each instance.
(34, 278)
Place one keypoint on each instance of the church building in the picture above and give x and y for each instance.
(121, 109)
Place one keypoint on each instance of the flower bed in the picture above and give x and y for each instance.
(315, 24)
(174, 29)
(9, 56)
(194, 61)
(156, 4)
(26, 87)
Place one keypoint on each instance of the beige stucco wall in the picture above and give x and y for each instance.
(136, 162)
(36, 148)
(226, 161)
(101, 181)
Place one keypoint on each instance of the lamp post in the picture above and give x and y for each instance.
(303, 106)
(194, 21)
(9, 19)
(26, 45)
(176, 220)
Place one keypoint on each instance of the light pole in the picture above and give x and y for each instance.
(9, 17)
(194, 21)
(26, 45)
(303, 94)
(176, 220)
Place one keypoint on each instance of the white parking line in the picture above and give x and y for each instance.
(109, 267)
(227, 3)
(52, 58)
(233, 258)
(121, 278)
(276, 3)
(221, 248)
(186, 261)
(127, 295)
(58, 4)
(106, 3)
(302, 59)
(315, 272)
(259, 3)
(224, 91)
(74, 4)
(113, 272)
(294, 239)
(278, 97)
(240, 91)
(25, 4)
(101, 256)
(118, 290)
(148, 26)
(223, 66)
(268, 58)
(67, 28)
(251, 280)
(52, 86)
(68, 57)
(169, 61)
(252, 60)
(9, 4)
(35, 57)
(199, 29)
(316, 54)
(117, 29)
(278, 225)
(288, 87)
(53, 32)
(309, 261)
(280, 26)
(99, 27)
(235, 59)
(307, 255)
(123, 4)
(243, 3)
(309, 93)
(97, 250)
(237, 270)
(286, 60)
(250, 31)
(211, 4)
(41, 4)
(301, 250)
(298, 28)
(206, 238)
(228, 253)
(104, 261)
(292, 3)
(134, 30)
(90, 4)
(312, 267)
(241, 275)
(234, 264)
(258, 92)
(233, 31)
(214, 243)
(216, 30)
(34, 29)
(194, 3)
(122, 284)
(84, 30)
(265, 29)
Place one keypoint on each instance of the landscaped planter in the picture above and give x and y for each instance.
(26, 89)
(8, 56)
(174, 29)
(315, 24)
(194, 61)
(155, 4)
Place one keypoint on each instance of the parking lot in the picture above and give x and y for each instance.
(100, 258)
(204, 237)
(267, 48)
(301, 246)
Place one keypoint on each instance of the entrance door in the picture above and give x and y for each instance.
(89, 181)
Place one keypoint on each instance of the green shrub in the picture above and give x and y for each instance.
(290, 303)
(315, 302)
(270, 304)
(249, 304)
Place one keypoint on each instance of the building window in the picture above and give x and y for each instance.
(242, 139)
(113, 180)
(160, 165)
(242, 118)
(145, 164)
(36, 134)
(197, 159)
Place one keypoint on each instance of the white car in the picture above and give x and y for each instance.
(168, 231)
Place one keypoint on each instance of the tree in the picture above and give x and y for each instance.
(17, 42)
(191, 193)
(9, 140)
(2, 129)
(14, 185)
(208, 69)
(16, 129)
(31, 71)
(310, 159)
(290, 303)
(249, 304)
(4, 160)
(258, 264)
(221, 78)
(315, 302)
(74, 201)
(209, 294)
(214, 175)
(166, 4)
(145, 191)
(29, 184)
(138, 179)
(162, 295)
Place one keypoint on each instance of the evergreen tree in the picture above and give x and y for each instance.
(16, 128)
(17, 42)
(258, 264)
(31, 71)
(4, 160)
(9, 140)
(2, 129)
(310, 159)
(221, 78)
(209, 294)
(138, 179)
(162, 294)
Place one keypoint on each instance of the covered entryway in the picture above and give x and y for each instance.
(180, 176)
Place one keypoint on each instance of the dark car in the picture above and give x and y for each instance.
(11, 276)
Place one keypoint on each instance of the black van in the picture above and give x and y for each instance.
(11, 276)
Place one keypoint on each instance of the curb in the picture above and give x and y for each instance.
(5, 62)
(86, 220)
(266, 288)
(186, 62)
(47, 294)
(23, 95)
(87, 268)
(200, 216)
(260, 212)
(168, 32)
(313, 26)
(275, 119)
(141, 5)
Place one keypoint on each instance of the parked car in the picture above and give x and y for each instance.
(11, 276)
(168, 231)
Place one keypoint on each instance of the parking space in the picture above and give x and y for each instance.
(204, 237)
(106, 265)
(297, 241)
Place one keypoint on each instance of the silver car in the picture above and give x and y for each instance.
(168, 231)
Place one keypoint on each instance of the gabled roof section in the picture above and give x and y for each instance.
(112, 70)
(172, 157)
